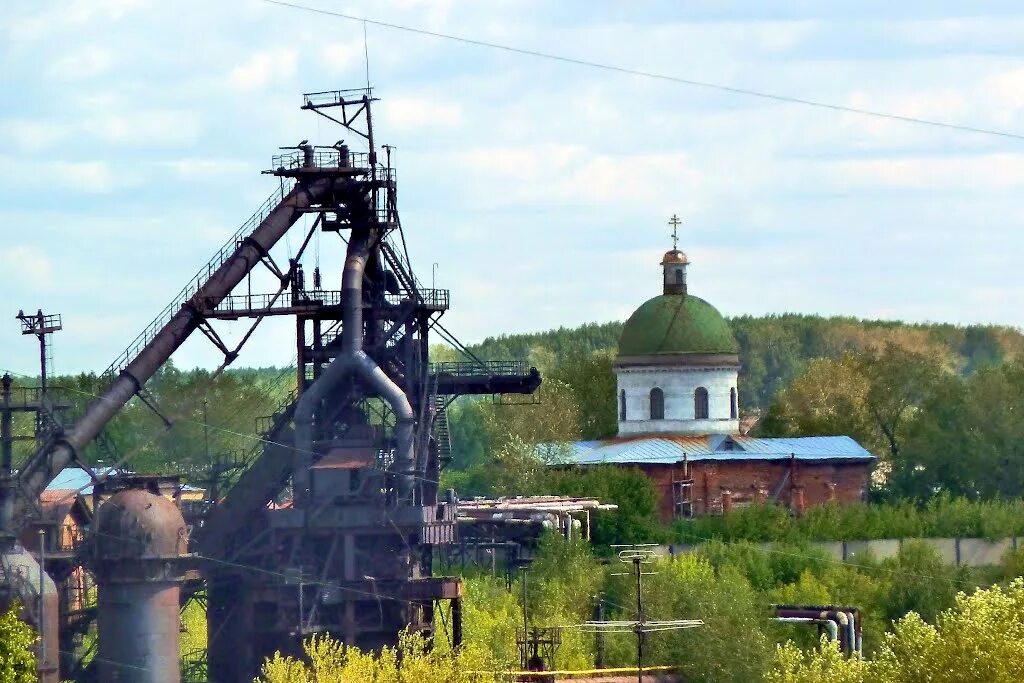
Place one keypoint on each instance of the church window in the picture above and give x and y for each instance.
(734, 409)
(622, 405)
(657, 404)
(700, 404)
(679, 276)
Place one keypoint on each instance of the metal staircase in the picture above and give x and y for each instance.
(200, 278)
(442, 434)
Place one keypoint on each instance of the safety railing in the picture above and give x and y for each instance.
(328, 158)
(194, 285)
(241, 303)
(487, 367)
(430, 298)
(334, 97)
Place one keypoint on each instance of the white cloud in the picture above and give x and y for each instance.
(85, 62)
(28, 263)
(146, 127)
(264, 68)
(572, 173)
(91, 177)
(32, 136)
(205, 169)
(948, 172)
(43, 24)
(341, 57)
(411, 113)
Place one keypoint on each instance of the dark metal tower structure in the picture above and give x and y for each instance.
(354, 454)
(352, 553)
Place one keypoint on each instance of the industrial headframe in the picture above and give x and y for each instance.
(359, 445)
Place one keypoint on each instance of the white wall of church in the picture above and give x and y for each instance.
(679, 385)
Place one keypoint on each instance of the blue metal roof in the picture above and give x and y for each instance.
(669, 449)
(78, 479)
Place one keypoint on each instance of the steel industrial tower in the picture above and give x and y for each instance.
(354, 453)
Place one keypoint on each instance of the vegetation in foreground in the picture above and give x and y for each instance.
(919, 615)
(17, 639)
(980, 639)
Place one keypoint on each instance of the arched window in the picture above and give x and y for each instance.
(700, 404)
(679, 276)
(734, 409)
(657, 404)
(622, 406)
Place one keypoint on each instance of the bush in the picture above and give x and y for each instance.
(980, 639)
(17, 661)
(328, 661)
(942, 516)
(731, 646)
(635, 520)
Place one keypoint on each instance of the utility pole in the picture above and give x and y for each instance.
(637, 555)
(640, 621)
(41, 326)
(526, 621)
(599, 616)
(6, 453)
(42, 607)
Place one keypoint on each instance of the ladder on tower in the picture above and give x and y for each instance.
(442, 433)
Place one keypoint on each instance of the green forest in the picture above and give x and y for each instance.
(939, 404)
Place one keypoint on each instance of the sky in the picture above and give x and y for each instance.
(133, 133)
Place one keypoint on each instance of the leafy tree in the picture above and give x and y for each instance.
(635, 520)
(873, 396)
(972, 444)
(731, 646)
(980, 639)
(828, 398)
(17, 661)
(899, 383)
(328, 661)
(592, 382)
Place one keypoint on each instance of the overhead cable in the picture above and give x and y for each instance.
(655, 75)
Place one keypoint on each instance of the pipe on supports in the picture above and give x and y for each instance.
(139, 552)
(831, 628)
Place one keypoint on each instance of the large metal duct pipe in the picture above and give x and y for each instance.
(21, 580)
(139, 551)
(42, 467)
(353, 361)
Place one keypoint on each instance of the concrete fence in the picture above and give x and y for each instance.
(969, 552)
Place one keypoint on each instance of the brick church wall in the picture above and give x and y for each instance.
(724, 484)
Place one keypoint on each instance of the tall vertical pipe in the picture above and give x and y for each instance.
(139, 547)
(353, 361)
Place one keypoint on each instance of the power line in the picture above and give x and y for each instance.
(655, 75)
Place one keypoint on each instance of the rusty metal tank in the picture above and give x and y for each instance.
(139, 551)
(19, 580)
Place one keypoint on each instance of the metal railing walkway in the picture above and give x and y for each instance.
(195, 284)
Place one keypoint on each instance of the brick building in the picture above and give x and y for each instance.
(713, 473)
(677, 374)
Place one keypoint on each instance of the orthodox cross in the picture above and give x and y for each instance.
(674, 222)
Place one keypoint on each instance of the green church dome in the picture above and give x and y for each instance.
(674, 323)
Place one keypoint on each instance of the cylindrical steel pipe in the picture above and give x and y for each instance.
(353, 360)
(40, 470)
(139, 545)
(23, 577)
